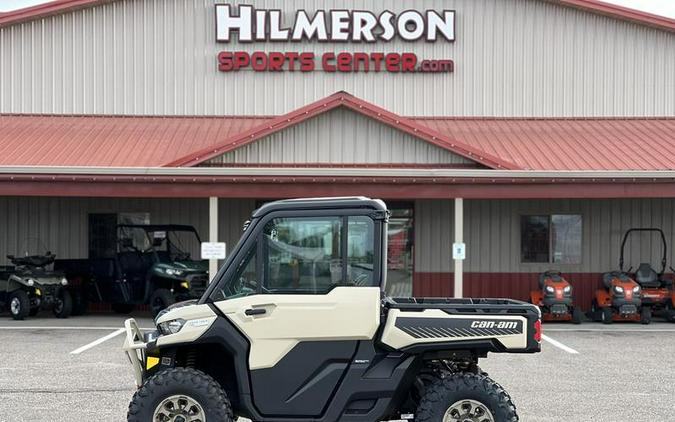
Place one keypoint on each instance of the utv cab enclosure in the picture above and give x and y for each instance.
(296, 326)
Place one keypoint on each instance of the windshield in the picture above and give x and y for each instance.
(244, 283)
(175, 245)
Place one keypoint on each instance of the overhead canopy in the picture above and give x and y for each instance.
(512, 144)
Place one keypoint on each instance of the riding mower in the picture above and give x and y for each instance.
(657, 292)
(554, 298)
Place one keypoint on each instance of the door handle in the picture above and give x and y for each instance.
(255, 311)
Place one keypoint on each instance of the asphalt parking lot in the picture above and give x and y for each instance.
(50, 371)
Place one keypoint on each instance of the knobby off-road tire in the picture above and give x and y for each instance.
(19, 304)
(196, 385)
(440, 396)
(64, 306)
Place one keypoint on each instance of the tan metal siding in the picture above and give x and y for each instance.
(513, 58)
(434, 235)
(62, 223)
(492, 230)
(340, 137)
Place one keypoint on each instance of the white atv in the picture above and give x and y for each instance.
(295, 326)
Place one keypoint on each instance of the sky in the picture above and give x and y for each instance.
(658, 7)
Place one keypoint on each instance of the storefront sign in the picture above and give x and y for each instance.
(332, 26)
(213, 250)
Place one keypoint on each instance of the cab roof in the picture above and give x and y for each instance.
(343, 202)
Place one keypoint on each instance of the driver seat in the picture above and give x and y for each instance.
(647, 277)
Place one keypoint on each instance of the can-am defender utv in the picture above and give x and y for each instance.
(295, 326)
(29, 285)
(555, 299)
(657, 291)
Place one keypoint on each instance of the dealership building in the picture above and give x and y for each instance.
(529, 134)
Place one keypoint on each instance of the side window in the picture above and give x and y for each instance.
(244, 282)
(303, 255)
(360, 251)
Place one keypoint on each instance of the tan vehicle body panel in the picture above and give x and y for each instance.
(396, 338)
(345, 313)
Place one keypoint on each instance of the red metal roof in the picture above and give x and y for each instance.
(594, 6)
(538, 144)
(111, 141)
(568, 144)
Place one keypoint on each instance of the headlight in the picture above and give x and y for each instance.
(567, 289)
(171, 327)
(636, 289)
(173, 272)
(618, 289)
(30, 282)
(64, 282)
(550, 289)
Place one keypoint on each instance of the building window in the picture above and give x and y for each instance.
(400, 251)
(550, 239)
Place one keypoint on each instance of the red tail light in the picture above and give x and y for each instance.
(537, 331)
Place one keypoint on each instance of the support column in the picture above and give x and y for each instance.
(459, 238)
(213, 233)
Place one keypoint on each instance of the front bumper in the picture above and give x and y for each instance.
(135, 346)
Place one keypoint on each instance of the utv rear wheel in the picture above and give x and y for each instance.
(19, 304)
(180, 394)
(577, 316)
(64, 305)
(607, 315)
(161, 299)
(80, 303)
(466, 397)
(645, 315)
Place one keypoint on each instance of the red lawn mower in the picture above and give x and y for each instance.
(554, 298)
(657, 292)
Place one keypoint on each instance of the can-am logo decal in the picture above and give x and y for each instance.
(494, 324)
(335, 26)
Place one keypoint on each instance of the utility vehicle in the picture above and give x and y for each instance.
(152, 265)
(657, 291)
(554, 298)
(296, 327)
(28, 285)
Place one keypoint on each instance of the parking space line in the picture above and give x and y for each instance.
(559, 345)
(97, 342)
(618, 330)
(75, 328)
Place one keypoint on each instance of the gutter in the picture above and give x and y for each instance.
(246, 172)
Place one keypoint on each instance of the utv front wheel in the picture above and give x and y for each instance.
(180, 394)
(19, 304)
(466, 397)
